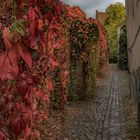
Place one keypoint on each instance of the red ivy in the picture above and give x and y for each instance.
(27, 65)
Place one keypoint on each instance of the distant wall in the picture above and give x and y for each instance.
(101, 16)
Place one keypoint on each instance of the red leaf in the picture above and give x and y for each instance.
(22, 88)
(36, 134)
(16, 126)
(49, 15)
(8, 65)
(58, 7)
(57, 44)
(25, 121)
(27, 133)
(33, 27)
(49, 84)
(25, 54)
(1, 26)
(33, 2)
(44, 96)
(9, 106)
(14, 57)
(29, 81)
(32, 19)
(38, 12)
(33, 43)
(64, 74)
(52, 61)
(35, 78)
(41, 94)
(2, 136)
(7, 38)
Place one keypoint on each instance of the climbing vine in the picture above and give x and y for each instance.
(103, 51)
(30, 40)
(40, 39)
(83, 56)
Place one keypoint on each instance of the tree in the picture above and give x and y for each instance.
(116, 17)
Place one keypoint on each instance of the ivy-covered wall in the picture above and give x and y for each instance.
(123, 54)
(83, 59)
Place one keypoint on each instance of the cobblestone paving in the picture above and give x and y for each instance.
(101, 118)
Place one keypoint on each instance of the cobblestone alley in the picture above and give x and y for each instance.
(107, 116)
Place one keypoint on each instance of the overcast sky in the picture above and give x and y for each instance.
(90, 6)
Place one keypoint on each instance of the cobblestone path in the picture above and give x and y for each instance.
(105, 116)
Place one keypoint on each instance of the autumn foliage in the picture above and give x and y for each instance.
(103, 46)
(27, 63)
(34, 62)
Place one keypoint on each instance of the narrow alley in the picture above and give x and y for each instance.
(106, 116)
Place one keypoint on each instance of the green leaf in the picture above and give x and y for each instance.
(17, 26)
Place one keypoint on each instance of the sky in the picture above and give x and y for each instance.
(90, 6)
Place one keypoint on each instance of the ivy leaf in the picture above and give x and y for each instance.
(8, 65)
(53, 63)
(33, 43)
(36, 134)
(64, 74)
(7, 38)
(22, 88)
(49, 15)
(25, 54)
(32, 19)
(49, 84)
(38, 12)
(27, 133)
(14, 57)
(17, 26)
(43, 96)
(16, 126)
(32, 28)
(2, 136)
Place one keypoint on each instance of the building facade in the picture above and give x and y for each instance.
(101, 17)
(133, 37)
